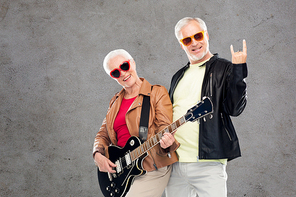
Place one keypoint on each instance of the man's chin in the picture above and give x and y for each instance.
(195, 58)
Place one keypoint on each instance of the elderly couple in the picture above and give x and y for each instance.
(192, 162)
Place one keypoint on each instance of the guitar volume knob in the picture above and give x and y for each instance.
(113, 184)
(117, 191)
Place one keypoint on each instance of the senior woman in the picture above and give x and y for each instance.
(122, 122)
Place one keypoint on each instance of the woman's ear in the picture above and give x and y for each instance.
(133, 62)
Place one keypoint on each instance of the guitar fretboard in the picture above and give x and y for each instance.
(150, 143)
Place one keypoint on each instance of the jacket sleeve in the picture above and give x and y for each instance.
(102, 140)
(164, 116)
(236, 90)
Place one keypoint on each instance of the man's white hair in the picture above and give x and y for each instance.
(185, 21)
(112, 54)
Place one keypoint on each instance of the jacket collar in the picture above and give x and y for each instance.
(209, 62)
(144, 90)
(213, 58)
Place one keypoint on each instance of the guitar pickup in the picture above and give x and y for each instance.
(128, 159)
(118, 166)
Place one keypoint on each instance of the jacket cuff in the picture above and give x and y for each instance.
(172, 148)
(242, 68)
(98, 150)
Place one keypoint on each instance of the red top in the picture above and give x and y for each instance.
(120, 124)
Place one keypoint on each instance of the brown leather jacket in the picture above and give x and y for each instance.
(160, 117)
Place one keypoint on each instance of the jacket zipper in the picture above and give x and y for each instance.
(225, 127)
(211, 84)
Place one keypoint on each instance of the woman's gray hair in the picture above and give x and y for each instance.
(185, 21)
(112, 54)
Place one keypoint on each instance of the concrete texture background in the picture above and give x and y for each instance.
(54, 92)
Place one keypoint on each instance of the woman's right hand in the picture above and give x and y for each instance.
(104, 164)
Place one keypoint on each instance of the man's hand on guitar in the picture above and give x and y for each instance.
(104, 164)
(167, 140)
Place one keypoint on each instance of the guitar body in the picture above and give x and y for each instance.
(119, 183)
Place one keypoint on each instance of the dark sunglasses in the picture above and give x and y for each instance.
(188, 40)
(125, 66)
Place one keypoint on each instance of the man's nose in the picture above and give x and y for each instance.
(194, 42)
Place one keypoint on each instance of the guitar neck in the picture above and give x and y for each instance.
(150, 143)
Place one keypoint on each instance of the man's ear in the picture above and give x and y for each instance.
(207, 35)
(182, 46)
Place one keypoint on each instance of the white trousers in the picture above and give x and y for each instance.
(152, 184)
(200, 179)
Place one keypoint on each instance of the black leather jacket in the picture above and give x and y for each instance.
(224, 84)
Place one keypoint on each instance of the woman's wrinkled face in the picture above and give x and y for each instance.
(127, 78)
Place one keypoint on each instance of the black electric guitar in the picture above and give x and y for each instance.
(129, 158)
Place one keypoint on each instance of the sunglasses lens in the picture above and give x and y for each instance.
(115, 73)
(125, 66)
(198, 36)
(186, 41)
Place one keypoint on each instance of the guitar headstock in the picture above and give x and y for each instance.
(199, 110)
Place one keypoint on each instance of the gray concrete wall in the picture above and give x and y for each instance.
(54, 92)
